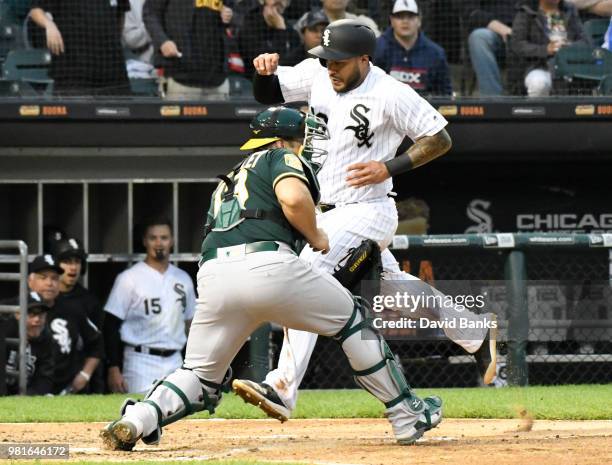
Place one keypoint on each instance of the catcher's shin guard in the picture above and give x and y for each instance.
(377, 371)
(178, 395)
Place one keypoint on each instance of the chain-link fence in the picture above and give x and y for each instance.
(566, 327)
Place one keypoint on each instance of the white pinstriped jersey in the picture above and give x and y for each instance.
(153, 306)
(366, 123)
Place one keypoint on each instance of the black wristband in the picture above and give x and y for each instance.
(399, 164)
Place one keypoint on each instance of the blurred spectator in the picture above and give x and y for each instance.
(188, 38)
(73, 297)
(413, 216)
(597, 7)
(489, 26)
(310, 27)
(296, 8)
(265, 30)
(407, 54)
(138, 41)
(607, 43)
(336, 9)
(85, 40)
(39, 353)
(541, 28)
(77, 341)
(148, 313)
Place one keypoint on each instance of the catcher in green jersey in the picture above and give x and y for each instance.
(250, 274)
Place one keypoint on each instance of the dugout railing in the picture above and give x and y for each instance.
(554, 313)
(21, 342)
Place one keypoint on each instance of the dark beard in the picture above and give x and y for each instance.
(160, 255)
(354, 82)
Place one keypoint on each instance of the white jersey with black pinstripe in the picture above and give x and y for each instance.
(366, 123)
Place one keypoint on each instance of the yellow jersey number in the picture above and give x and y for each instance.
(240, 189)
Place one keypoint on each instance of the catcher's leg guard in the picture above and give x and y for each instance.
(377, 371)
(178, 395)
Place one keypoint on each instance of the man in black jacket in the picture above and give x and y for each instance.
(188, 39)
(265, 30)
(85, 41)
(78, 344)
(489, 25)
(72, 258)
(39, 354)
(541, 28)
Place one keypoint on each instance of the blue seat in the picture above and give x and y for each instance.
(30, 66)
(605, 86)
(595, 30)
(144, 87)
(580, 61)
(240, 87)
(9, 39)
(16, 89)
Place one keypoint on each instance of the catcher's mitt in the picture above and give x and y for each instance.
(361, 263)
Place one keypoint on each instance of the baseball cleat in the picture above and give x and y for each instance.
(486, 355)
(119, 435)
(429, 419)
(263, 396)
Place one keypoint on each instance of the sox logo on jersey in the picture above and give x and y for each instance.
(362, 127)
(180, 290)
(59, 327)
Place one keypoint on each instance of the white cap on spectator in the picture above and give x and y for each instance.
(405, 5)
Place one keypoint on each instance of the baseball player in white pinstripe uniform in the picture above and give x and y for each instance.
(368, 114)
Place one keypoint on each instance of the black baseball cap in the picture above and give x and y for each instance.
(311, 19)
(45, 262)
(35, 303)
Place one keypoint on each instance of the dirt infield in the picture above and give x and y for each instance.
(359, 441)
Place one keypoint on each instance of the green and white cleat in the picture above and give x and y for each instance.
(429, 419)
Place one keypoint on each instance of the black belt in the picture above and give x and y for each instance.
(325, 207)
(151, 351)
(251, 247)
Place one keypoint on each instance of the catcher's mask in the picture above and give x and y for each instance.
(280, 122)
(314, 129)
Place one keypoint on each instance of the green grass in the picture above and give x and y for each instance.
(580, 402)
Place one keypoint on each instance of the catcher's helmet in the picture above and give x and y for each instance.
(345, 38)
(281, 122)
(286, 123)
(67, 248)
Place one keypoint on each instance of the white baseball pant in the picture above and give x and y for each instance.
(347, 226)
